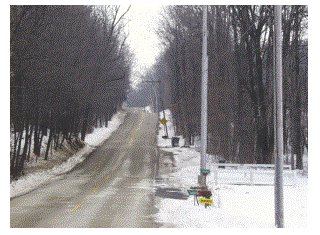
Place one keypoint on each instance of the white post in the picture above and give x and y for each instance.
(279, 214)
(216, 175)
(251, 176)
(219, 201)
(204, 92)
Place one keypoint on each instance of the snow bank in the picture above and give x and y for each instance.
(31, 181)
(100, 134)
(235, 206)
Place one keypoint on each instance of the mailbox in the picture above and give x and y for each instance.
(175, 141)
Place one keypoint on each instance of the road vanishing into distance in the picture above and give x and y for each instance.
(112, 187)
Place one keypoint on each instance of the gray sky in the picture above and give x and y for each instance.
(142, 38)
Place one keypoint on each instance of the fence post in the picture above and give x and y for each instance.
(219, 202)
(216, 175)
(294, 177)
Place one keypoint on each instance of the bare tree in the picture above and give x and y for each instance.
(240, 76)
(69, 70)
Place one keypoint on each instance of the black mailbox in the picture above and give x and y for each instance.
(175, 141)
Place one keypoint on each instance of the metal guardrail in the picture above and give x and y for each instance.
(288, 167)
(250, 169)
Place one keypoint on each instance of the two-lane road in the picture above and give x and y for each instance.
(112, 187)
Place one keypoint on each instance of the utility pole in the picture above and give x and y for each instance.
(156, 102)
(204, 92)
(164, 115)
(278, 178)
(156, 108)
(166, 128)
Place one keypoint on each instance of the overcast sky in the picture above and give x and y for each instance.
(142, 38)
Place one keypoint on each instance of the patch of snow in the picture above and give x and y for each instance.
(31, 181)
(148, 109)
(235, 206)
(240, 206)
(100, 134)
(124, 105)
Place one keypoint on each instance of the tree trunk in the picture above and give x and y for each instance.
(298, 140)
(85, 123)
(297, 99)
(57, 141)
(49, 144)
(30, 140)
(183, 99)
(15, 155)
(20, 164)
(36, 139)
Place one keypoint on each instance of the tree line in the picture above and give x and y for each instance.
(240, 78)
(69, 72)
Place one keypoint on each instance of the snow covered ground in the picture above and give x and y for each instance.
(148, 109)
(34, 180)
(235, 206)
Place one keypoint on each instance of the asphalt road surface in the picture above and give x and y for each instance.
(112, 187)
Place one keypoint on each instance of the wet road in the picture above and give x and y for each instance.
(112, 187)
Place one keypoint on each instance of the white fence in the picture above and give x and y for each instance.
(225, 173)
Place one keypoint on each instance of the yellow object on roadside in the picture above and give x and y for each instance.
(205, 200)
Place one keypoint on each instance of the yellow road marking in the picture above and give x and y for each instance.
(122, 154)
(135, 132)
(77, 206)
(130, 141)
(140, 122)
